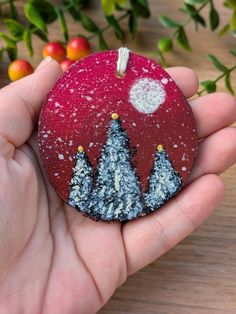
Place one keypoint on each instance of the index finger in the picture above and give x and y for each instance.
(20, 104)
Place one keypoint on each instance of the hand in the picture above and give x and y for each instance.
(54, 260)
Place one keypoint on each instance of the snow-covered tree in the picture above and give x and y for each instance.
(117, 193)
(164, 181)
(81, 182)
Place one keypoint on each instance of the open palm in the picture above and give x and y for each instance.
(54, 260)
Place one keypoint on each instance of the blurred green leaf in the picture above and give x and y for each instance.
(195, 2)
(88, 23)
(228, 83)
(10, 42)
(115, 25)
(15, 28)
(233, 52)
(41, 35)
(121, 2)
(28, 41)
(34, 16)
(12, 53)
(182, 39)
(45, 9)
(73, 8)
(165, 44)
(214, 18)
(102, 43)
(13, 11)
(231, 4)
(11, 48)
(140, 8)
(209, 86)
(217, 63)
(224, 30)
(233, 23)
(133, 25)
(108, 7)
(1, 55)
(192, 11)
(62, 23)
(169, 23)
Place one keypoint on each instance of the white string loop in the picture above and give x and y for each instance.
(122, 61)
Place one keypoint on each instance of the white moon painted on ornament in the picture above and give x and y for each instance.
(146, 95)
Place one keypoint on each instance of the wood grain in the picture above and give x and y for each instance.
(199, 275)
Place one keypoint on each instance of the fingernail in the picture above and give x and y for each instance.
(44, 62)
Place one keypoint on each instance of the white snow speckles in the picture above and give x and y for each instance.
(60, 156)
(134, 124)
(184, 168)
(56, 174)
(70, 158)
(164, 81)
(175, 145)
(88, 98)
(90, 144)
(153, 66)
(59, 139)
(146, 95)
(133, 69)
(57, 105)
(72, 90)
(145, 70)
(45, 135)
(70, 143)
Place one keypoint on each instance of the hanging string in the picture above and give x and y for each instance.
(123, 58)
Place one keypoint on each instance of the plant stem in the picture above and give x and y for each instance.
(190, 19)
(184, 24)
(102, 30)
(218, 78)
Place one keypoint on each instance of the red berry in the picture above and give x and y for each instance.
(65, 64)
(18, 69)
(77, 48)
(54, 50)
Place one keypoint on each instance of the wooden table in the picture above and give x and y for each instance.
(199, 275)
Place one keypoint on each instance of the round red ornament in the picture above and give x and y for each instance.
(116, 135)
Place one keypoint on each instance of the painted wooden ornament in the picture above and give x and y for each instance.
(117, 137)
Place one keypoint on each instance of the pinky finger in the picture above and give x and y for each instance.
(148, 238)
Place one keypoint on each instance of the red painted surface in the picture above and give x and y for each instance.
(78, 111)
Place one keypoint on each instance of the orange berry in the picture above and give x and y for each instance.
(65, 64)
(77, 48)
(54, 50)
(18, 69)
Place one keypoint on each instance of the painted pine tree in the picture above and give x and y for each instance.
(117, 193)
(164, 181)
(81, 182)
